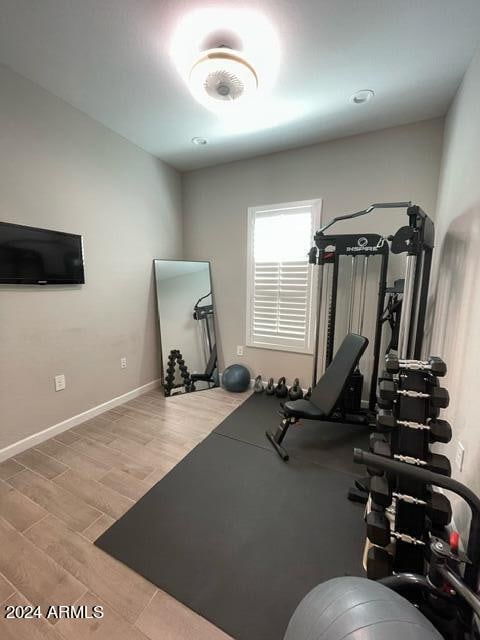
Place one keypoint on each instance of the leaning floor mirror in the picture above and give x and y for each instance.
(187, 330)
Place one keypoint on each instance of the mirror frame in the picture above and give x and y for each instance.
(155, 260)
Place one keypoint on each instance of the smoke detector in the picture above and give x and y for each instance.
(222, 75)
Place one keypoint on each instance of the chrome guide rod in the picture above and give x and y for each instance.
(317, 320)
(407, 304)
(363, 291)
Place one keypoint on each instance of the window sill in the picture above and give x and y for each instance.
(274, 347)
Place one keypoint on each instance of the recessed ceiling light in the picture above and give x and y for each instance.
(363, 96)
(199, 141)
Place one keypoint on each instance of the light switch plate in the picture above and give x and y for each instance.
(460, 456)
(240, 350)
(60, 382)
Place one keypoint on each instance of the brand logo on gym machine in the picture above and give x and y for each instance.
(362, 245)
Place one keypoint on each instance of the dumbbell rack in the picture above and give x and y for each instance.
(402, 512)
(176, 358)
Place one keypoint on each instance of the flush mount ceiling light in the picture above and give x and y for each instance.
(197, 140)
(226, 57)
(222, 75)
(362, 97)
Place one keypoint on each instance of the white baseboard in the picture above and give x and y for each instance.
(49, 432)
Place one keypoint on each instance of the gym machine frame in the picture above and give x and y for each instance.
(416, 240)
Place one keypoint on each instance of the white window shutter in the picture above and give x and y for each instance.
(280, 286)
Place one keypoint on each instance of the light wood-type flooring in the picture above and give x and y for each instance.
(58, 497)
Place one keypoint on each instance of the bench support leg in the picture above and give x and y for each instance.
(276, 437)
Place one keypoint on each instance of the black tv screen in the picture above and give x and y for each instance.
(39, 256)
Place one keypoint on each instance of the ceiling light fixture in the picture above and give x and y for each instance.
(222, 75)
(197, 140)
(226, 56)
(362, 97)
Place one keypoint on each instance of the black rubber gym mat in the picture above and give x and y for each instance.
(327, 443)
(240, 537)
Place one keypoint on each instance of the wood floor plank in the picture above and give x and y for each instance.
(94, 493)
(111, 627)
(98, 527)
(157, 475)
(17, 509)
(40, 463)
(136, 451)
(9, 468)
(111, 457)
(96, 433)
(55, 499)
(74, 459)
(123, 589)
(125, 484)
(67, 437)
(132, 430)
(167, 619)
(6, 590)
(34, 574)
(26, 629)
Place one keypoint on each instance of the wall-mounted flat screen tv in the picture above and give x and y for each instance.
(39, 256)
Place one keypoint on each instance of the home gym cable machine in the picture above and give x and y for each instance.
(403, 305)
(203, 314)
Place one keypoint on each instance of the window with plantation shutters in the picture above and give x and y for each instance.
(280, 289)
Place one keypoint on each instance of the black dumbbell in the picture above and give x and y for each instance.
(380, 448)
(439, 430)
(377, 437)
(379, 563)
(378, 528)
(380, 490)
(435, 462)
(389, 393)
(385, 375)
(438, 507)
(434, 365)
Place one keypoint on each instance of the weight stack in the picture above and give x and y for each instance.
(407, 425)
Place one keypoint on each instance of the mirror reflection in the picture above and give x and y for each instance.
(187, 331)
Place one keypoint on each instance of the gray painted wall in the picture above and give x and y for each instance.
(455, 309)
(401, 163)
(62, 170)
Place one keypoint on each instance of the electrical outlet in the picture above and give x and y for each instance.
(240, 350)
(460, 456)
(123, 362)
(59, 382)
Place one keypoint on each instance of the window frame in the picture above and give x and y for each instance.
(316, 211)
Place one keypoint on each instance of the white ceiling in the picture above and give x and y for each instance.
(110, 58)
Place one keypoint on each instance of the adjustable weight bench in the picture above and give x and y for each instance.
(325, 400)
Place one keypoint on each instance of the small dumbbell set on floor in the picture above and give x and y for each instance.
(175, 358)
(402, 513)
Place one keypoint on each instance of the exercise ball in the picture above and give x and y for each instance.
(357, 609)
(236, 378)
